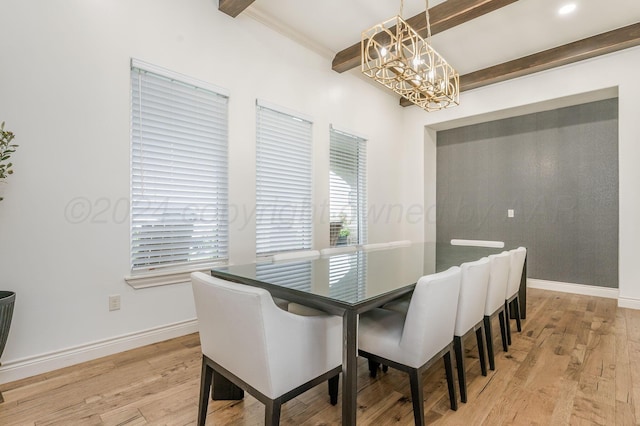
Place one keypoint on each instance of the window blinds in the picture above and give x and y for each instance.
(179, 204)
(347, 184)
(283, 181)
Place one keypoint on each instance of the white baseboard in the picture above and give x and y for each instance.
(586, 290)
(27, 367)
(624, 302)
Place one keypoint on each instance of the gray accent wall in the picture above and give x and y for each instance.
(558, 171)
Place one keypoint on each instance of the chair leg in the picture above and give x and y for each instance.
(417, 396)
(507, 321)
(333, 389)
(480, 339)
(385, 368)
(516, 308)
(503, 331)
(205, 387)
(272, 413)
(448, 367)
(373, 368)
(489, 334)
(462, 378)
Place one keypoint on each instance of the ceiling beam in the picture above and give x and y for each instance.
(233, 8)
(586, 48)
(443, 16)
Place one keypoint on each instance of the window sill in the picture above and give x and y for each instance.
(168, 277)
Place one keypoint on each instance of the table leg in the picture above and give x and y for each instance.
(349, 367)
(522, 296)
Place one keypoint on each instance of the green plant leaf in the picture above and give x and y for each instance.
(6, 149)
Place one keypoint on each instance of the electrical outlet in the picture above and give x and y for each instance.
(114, 302)
(510, 213)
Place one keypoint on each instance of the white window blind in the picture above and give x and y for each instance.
(283, 181)
(179, 204)
(347, 188)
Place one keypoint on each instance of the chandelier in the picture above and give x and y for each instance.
(395, 55)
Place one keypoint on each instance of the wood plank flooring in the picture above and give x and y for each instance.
(576, 362)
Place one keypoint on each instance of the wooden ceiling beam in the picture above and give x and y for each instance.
(443, 16)
(590, 47)
(233, 8)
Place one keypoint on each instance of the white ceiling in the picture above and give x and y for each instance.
(516, 30)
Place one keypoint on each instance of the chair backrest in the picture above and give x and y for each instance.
(515, 271)
(375, 246)
(400, 243)
(428, 327)
(498, 279)
(296, 255)
(338, 250)
(232, 325)
(474, 283)
(478, 243)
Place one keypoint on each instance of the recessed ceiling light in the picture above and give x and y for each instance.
(567, 9)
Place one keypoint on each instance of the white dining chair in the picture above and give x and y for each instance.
(270, 353)
(296, 255)
(338, 250)
(498, 278)
(512, 298)
(413, 341)
(401, 304)
(474, 283)
(478, 243)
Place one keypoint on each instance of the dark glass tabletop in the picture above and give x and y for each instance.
(353, 279)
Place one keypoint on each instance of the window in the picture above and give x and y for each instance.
(347, 188)
(179, 205)
(283, 181)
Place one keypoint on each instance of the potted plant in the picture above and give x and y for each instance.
(7, 298)
(344, 233)
(6, 149)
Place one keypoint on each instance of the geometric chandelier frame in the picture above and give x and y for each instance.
(396, 56)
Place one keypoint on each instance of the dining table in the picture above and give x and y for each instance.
(350, 284)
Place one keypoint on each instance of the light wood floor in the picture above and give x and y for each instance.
(577, 361)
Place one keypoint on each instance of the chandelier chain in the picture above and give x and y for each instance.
(426, 11)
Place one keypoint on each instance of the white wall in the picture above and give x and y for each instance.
(64, 91)
(617, 70)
